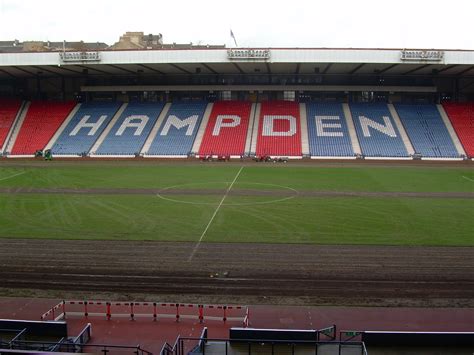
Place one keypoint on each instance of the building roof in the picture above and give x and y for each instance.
(210, 60)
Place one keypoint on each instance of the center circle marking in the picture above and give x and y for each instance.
(291, 190)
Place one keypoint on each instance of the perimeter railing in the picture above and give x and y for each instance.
(201, 345)
(66, 346)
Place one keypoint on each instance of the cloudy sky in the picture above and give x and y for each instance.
(290, 23)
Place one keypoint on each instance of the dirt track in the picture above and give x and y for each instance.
(103, 162)
(250, 273)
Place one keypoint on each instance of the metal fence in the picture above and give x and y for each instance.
(202, 345)
(65, 345)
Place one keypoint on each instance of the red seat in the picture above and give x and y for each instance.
(278, 139)
(225, 136)
(8, 111)
(42, 120)
(462, 118)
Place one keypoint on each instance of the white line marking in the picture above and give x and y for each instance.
(196, 247)
(11, 176)
(465, 177)
(159, 194)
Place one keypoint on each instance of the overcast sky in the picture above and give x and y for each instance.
(255, 23)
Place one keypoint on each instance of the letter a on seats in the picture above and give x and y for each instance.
(139, 125)
(220, 122)
(178, 123)
(269, 123)
(387, 129)
(94, 126)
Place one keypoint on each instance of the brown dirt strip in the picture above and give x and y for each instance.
(233, 192)
(67, 162)
(244, 273)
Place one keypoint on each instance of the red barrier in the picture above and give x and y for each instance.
(108, 311)
(246, 322)
(153, 310)
(201, 313)
(52, 312)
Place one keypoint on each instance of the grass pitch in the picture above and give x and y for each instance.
(380, 220)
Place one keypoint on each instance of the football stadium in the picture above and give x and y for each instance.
(203, 199)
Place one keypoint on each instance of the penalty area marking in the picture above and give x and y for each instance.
(465, 177)
(12, 176)
(196, 247)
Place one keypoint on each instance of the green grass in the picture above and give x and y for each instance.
(332, 220)
(306, 178)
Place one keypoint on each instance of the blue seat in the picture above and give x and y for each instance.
(129, 133)
(427, 131)
(376, 130)
(75, 140)
(178, 130)
(328, 136)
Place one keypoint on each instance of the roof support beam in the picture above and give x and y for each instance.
(209, 68)
(238, 68)
(24, 70)
(179, 68)
(353, 71)
(416, 69)
(8, 73)
(47, 70)
(69, 70)
(94, 69)
(327, 68)
(151, 69)
(465, 70)
(447, 68)
(61, 68)
(387, 69)
(467, 85)
(123, 69)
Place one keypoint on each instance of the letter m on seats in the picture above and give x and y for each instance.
(387, 129)
(178, 123)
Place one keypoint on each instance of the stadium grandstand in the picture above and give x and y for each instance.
(140, 97)
(384, 243)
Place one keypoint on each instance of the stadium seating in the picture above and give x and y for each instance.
(129, 133)
(84, 128)
(226, 131)
(41, 122)
(427, 131)
(279, 128)
(279, 131)
(376, 131)
(178, 130)
(462, 118)
(8, 111)
(327, 130)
